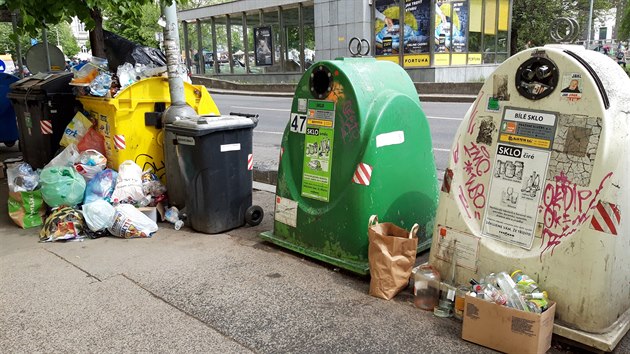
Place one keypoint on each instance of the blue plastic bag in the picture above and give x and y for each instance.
(101, 186)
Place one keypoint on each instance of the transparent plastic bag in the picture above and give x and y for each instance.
(68, 157)
(126, 75)
(99, 215)
(22, 178)
(101, 186)
(130, 222)
(101, 84)
(62, 186)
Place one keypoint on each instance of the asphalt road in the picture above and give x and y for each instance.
(444, 119)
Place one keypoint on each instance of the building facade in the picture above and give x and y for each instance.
(277, 40)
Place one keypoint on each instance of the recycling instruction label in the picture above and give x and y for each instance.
(318, 149)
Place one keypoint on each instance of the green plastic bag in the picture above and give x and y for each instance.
(27, 209)
(61, 185)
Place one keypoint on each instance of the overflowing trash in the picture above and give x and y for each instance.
(516, 290)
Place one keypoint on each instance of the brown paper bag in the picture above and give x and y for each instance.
(391, 254)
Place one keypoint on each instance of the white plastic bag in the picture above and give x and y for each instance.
(75, 130)
(99, 215)
(128, 184)
(67, 158)
(130, 222)
(90, 163)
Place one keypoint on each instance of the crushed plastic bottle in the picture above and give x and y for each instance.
(101, 84)
(508, 287)
(172, 216)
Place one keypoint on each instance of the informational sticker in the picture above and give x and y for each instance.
(571, 86)
(286, 211)
(297, 123)
(318, 149)
(515, 191)
(230, 147)
(464, 247)
(493, 104)
(392, 138)
(302, 105)
(185, 140)
(528, 128)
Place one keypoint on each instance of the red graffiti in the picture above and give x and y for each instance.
(349, 127)
(476, 165)
(565, 208)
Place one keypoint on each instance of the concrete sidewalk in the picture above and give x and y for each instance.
(182, 291)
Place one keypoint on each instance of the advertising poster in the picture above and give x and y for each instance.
(263, 45)
(417, 33)
(386, 27)
(318, 149)
(451, 24)
(518, 176)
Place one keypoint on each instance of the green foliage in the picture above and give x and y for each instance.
(624, 27)
(531, 19)
(137, 26)
(67, 42)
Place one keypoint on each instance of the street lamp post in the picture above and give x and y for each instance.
(590, 24)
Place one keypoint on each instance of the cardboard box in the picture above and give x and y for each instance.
(506, 329)
(151, 212)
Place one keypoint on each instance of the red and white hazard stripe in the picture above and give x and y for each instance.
(46, 126)
(250, 162)
(363, 174)
(119, 142)
(606, 218)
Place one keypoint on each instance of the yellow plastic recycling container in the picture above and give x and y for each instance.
(131, 121)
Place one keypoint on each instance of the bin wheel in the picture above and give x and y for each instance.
(9, 143)
(254, 215)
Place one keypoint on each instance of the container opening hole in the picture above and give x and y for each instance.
(321, 83)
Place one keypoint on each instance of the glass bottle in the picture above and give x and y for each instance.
(426, 287)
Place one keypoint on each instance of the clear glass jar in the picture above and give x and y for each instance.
(426, 287)
(460, 301)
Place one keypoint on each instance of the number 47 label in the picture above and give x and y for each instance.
(298, 123)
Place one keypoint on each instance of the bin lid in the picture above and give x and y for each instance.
(47, 82)
(210, 123)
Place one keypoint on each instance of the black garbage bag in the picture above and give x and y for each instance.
(120, 50)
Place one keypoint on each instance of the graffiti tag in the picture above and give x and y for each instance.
(476, 165)
(349, 126)
(565, 207)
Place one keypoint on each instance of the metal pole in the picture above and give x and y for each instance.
(246, 43)
(18, 48)
(590, 23)
(282, 39)
(228, 31)
(178, 109)
(186, 46)
(201, 60)
(45, 38)
(215, 57)
(301, 27)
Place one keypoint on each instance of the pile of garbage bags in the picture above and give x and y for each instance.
(76, 196)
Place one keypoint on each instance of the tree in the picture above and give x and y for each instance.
(531, 18)
(623, 32)
(37, 14)
(139, 27)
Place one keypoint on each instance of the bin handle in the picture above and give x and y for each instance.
(414, 230)
(373, 220)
